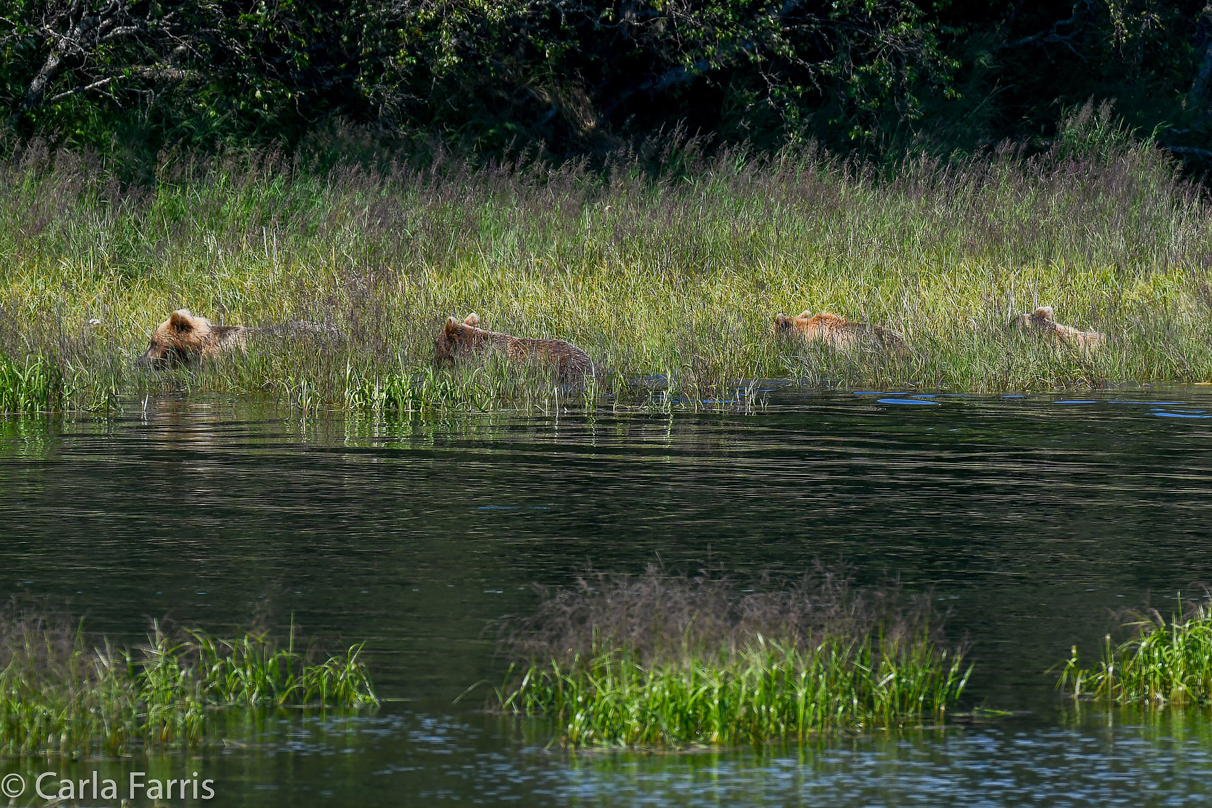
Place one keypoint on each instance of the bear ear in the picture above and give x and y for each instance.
(805, 313)
(780, 320)
(452, 325)
(473, 319)
(1045, 312)
(181, 320)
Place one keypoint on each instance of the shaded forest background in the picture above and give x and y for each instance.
(561, 79)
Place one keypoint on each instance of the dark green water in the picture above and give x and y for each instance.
(1031, 518)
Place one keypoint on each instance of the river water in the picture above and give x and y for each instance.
(1032, 519)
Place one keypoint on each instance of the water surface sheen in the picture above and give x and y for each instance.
(1032, 518)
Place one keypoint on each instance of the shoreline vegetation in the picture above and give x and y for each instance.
(675, 275)
(65, 694)
(670, 661)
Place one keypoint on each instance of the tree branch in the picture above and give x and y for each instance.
(89, 31)
(160, 73)
(1051, 35)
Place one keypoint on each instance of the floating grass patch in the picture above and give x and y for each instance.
(1165, 663)
(37, 385)
(667, 661)
(62, 695)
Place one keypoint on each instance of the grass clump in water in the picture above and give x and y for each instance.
(60, 695)
(667, 661)
(1163, 664)
(35, 386)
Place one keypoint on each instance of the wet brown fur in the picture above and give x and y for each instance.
(839, 333)
(462, 339)
(184, 339)
(1041, 322)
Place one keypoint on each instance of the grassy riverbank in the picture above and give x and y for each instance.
(669, 661)
(63, 694)
(678, 276)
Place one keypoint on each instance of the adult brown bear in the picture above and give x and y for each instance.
(466, 339)
(184, 339)
(1042, 323)
(839, 333)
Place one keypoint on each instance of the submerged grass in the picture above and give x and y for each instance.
(61, 695)
(1166, 663)
(677, 276)
(672, 660)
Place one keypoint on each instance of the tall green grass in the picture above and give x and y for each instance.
(1166, 663)
(671, 660)
(37, 385)
(61, 695)
(677, 276)
(483, 387)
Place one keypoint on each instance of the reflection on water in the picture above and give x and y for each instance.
(1032, 518)
(405, 758)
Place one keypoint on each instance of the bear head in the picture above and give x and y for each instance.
(1041, 318)
(176, 341)
(455, 335)
(786, 325)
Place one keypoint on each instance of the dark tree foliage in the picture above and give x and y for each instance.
(1026, 62)
(578, 73)
(577, 77)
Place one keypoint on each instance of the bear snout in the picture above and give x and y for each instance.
(155, 358)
